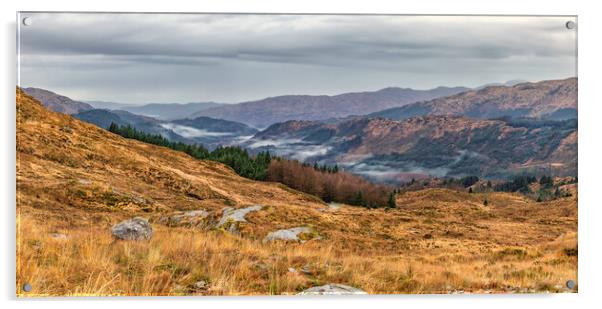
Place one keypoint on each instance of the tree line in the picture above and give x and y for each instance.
(326, 182)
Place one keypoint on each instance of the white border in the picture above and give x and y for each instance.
(590, 173)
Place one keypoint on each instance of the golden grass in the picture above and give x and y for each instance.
(91, 262)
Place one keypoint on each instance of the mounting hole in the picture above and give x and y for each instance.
(27, 287)
(570, 284)
(570, 25)
(27, 21)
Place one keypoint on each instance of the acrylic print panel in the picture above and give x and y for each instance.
(254, 154)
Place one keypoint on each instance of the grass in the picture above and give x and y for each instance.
(91, 262)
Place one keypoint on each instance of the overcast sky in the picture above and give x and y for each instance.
(142, 58)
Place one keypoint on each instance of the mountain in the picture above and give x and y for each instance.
(263, 113)
(103, 119)
(75, 181)
(56, 102)
(201, 130)
(384, 149)
(552, 99)
(161, 111)
(217, 126)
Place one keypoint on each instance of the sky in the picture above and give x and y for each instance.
(179, 58)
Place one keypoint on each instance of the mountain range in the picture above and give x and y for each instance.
(265, 112)
(552, 99)
(494, 131)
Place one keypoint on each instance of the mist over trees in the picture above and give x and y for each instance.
(326, 182)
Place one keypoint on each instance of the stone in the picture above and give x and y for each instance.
(133, 229)
(58, 236)
(332, 289)
(231, 217)
(291, 234)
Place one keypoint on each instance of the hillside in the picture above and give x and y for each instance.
(263, 113)
(75, 181)
(435, 145)
(56, 102)
(552, 99)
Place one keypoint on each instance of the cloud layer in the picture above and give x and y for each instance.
(141, 58)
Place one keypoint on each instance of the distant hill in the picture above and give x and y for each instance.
(202, 130)
(263, 113)
(103, 119)
(171, 111)
(161, 111)
(431, 145)
(552, 99)
(56, 102)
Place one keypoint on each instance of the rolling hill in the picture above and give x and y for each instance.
(552, 99)
(263, 113)
(56, 102)
(76, 180)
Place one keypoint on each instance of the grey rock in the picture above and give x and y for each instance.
(133, 229)
(231, 217)
(288, 234)
(332, 289)
(58, 236)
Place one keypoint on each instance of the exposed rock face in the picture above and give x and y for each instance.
(133, 229)
(333, 289)
(232, 217)
(291, 234)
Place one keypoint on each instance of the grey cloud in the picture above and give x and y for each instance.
(240, 57)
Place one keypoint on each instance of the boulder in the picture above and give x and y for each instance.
(133, 229)
(291, 234)
(332, 289)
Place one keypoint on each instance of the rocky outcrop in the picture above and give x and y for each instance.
(231, 218)
(133, 229)
(332, 289)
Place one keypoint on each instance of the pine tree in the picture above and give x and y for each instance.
(391, 202)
